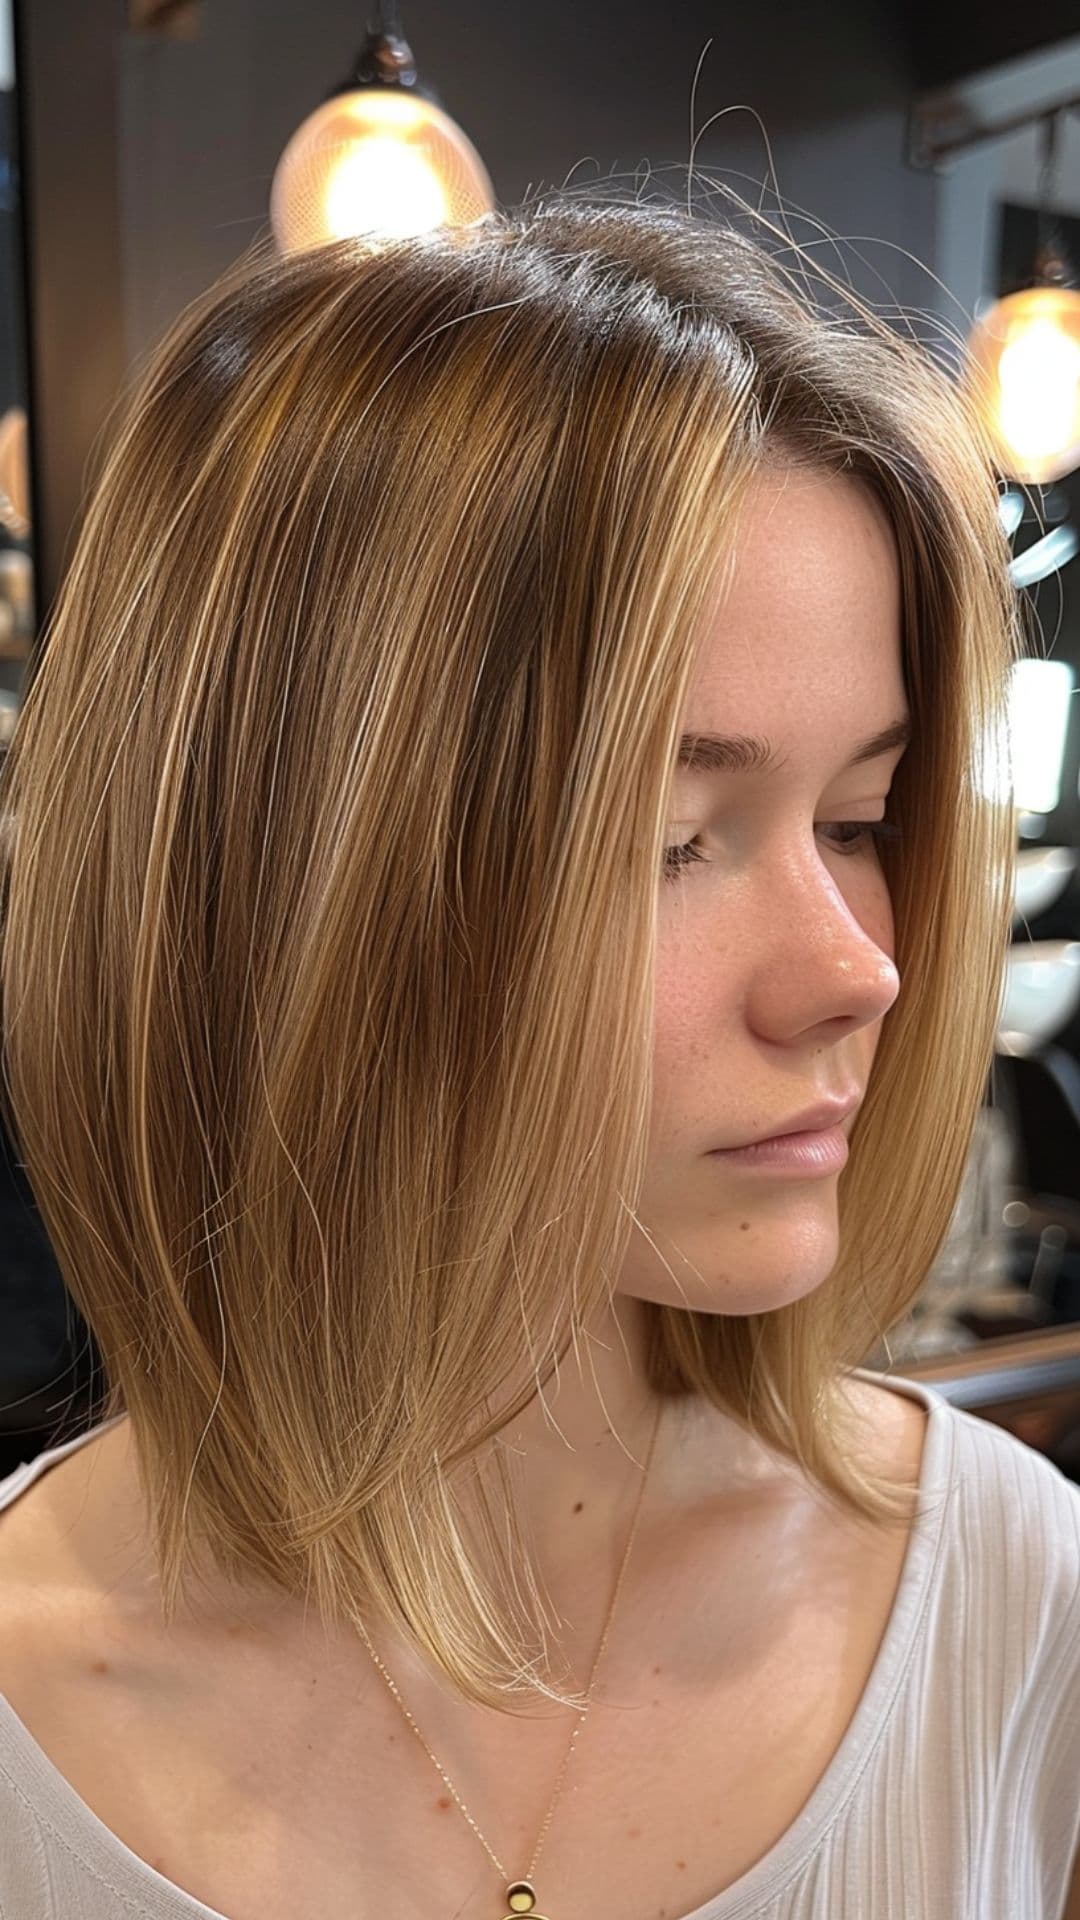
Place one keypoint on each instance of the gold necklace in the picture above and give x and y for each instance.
(521, 1894)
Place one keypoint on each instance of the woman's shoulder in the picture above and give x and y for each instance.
(42, 1544)
(1020, 1513)
(1005, 1517)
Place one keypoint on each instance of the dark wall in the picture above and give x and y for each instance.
(949, 42)
(65, 70)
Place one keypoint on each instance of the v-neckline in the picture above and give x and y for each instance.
(127, 1874)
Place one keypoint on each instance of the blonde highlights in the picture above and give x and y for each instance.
(326, 1039)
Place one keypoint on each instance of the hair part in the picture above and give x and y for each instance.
(326, 1035)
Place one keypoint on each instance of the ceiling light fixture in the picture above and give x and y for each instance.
(380, 157)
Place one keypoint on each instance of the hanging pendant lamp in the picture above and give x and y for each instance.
(378, 158)
(1024, 356)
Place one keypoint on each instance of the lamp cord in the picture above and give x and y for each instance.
(385, 18)
(1048, 239)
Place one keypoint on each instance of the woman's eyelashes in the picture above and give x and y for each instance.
(867, 834)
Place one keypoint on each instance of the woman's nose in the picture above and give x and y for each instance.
(826, 961)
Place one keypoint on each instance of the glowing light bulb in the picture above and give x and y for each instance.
(1038, 373)
(1024, 365)
(379, 163)
(383, 187)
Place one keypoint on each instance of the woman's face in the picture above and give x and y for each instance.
(774, 964)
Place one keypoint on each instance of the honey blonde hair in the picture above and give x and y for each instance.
(335, 813)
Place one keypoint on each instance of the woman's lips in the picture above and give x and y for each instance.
(807, 1154)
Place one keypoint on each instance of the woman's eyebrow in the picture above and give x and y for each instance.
(748, 753)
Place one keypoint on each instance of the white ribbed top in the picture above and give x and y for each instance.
(954, 1794)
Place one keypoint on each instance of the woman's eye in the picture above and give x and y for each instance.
(865, 834)
(676, 858)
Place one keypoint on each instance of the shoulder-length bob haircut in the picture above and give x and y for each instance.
(327, 1036)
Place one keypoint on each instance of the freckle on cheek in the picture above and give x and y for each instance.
(744, 1226)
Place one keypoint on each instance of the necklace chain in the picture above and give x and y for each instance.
(527, 1893)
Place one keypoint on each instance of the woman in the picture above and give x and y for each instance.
(516, 734)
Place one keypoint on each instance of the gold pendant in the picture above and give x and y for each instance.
(522, 1899)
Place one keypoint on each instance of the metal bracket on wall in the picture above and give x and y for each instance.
(168, 19)
(942, 124)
